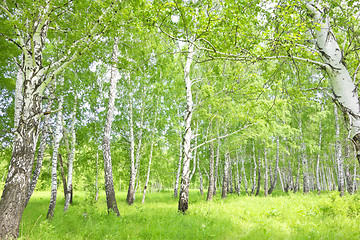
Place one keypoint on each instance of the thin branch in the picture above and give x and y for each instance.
(223, 136)
(307, 47)
(300, 58)
(12, 40)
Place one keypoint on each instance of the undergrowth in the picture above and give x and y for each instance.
(280, 216)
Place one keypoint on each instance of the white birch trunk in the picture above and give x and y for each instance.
(306, 180)
(318, 188)
(345, 91)
(131, 189)
(18, 97)
(211, 173)
(185, 180)
(41, 151)
(139, 145)
(151, 153)
(109, 183)
(57, 139)
(97, 177)
(225, 177)
(35, 77)
(338, 157)
(216, 172)
(69, 188)
(176, 186)
(266, 173)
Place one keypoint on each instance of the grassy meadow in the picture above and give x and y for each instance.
(280, 216)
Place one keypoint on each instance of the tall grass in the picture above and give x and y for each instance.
(293, 216)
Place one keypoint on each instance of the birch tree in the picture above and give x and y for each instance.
(69, 188)
(36, 75)
(57, 138)
(109, 183)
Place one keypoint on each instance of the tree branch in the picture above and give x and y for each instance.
(300, 58)
(220, 137)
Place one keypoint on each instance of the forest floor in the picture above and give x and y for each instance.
(280, 216)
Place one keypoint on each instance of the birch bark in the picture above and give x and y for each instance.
(345, 91)
(259, 175)
(41, 151)
(176, 186)
(35, 77)
(57, 138)
(211, 173)
(185, 180)
(318, 187)
(69, 188)
(139, 145)
(109, 183)
(216, 172)
(151, 153)
(339, 159)
(132, 175)
(225, 177)
(266, 173)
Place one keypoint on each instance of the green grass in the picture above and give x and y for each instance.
(292, 216)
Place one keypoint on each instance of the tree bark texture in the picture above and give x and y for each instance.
(57, 138)
(216, 175)
(69, 188)
(176, 186)
(339, 159)
(211, 173)
(132, 173)
(345, 91)
(41, 151)
(109, 183)
(266, 173)
(225, 177)
(185, 180)
(258, 175)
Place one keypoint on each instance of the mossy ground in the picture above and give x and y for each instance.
(280, 216)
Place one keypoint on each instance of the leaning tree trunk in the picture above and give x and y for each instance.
(201, 188)
(211, 173)
(63, 176)
(339, 159)
(109, 183)
(15, 193)
(57, 139)
(41, 151)
(35, 77)
(345, 91)
(185, 180)
(69, 188)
